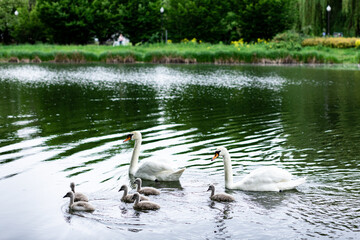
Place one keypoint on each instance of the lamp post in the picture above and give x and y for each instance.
(328, 9)
(162, 32)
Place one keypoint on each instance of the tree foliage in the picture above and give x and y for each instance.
(343, 17)
(141, 19)
(8, 19)
(106, 18)
(80, 21)
(206, 20)
(28, 27)
(67, 21)
(264, 18)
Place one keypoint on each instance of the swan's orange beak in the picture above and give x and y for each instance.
(128, 138)
(216, 156)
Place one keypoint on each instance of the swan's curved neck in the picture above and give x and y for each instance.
(135, 157)
(228, 171)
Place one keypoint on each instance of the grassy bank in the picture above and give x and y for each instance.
(190, 52)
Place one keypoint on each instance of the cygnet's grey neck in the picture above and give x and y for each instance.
(125, 192)
(212, 192)
(138, 185)
(72, 197)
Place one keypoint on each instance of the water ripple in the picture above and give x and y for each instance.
(67, 123)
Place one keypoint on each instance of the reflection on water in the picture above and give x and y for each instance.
(63, 123)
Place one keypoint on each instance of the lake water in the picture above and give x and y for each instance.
(63, 123)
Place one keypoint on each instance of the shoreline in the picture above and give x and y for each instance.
(177, 60)
(177, 54)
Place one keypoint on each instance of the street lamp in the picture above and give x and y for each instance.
(328, 9)
(162, 13)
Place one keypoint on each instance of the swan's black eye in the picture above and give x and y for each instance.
(217, 152)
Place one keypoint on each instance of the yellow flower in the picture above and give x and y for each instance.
(357, 43)
(185, 40)
(169, 41)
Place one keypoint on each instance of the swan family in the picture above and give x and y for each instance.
(269, 178)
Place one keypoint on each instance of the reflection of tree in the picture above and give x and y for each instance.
(320, 115)
(71, 112)
(208, 107)
(69, 106)
(219, 113)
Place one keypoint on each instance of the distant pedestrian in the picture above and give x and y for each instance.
(120, 39)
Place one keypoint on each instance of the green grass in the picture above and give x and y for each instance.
(179, 53)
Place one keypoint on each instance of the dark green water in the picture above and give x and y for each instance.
(63, 123)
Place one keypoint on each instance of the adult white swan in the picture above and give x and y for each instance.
(262, 179)
(154, 170)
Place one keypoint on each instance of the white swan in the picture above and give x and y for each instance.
(78, 206)
(151, 169)
(262, 179)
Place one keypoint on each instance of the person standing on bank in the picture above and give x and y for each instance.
(120, 39)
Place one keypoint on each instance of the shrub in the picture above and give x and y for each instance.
(339, 42)
(288, 36)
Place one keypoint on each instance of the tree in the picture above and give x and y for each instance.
(344, 16)
(107, 18)
(8, 18)
(265, 18)
(67, 21)
(141, 19)
(351, 11)
(28, 27)
(206, 20)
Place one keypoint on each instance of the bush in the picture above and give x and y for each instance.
(289, 40)
(288, 36)
(339, 42)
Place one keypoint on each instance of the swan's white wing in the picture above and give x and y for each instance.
(158, 169)
(269, 174)
(264, 179)
(153, 166)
